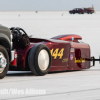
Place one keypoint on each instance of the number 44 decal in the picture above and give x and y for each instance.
(57, 53)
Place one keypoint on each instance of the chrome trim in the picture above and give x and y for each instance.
(43, 60)
(12, 55)
(3, 62)
(11, 37)
(11, 45)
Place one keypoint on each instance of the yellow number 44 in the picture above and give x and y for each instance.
(56, 54)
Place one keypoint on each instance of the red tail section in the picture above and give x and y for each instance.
(68, 37)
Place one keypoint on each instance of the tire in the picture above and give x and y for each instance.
(79, 13)
(70, 12)
(5, 65)
(35, 62)
(88, 13)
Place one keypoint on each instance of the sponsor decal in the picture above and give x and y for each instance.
(57, 53)
(71, 57)
(65, 60)
(81, 60)
(72, 50)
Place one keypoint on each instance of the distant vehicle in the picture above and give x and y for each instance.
(77, 10)
(89, 10)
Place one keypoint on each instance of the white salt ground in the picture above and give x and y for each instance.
(75, 85)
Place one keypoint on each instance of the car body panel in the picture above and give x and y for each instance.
(80, 53)
(60, 63)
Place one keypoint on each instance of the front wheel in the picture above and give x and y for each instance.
(4, 62)
(39, 59)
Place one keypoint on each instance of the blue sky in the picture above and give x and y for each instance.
(30, 5)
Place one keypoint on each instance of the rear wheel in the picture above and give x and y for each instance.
(88, 13)
(4, 62)
(39, 59)
(70, 12)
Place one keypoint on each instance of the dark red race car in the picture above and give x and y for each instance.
(60, 53)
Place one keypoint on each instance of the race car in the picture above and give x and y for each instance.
(60, 53)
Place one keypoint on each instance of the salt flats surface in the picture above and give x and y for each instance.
(75, 85)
